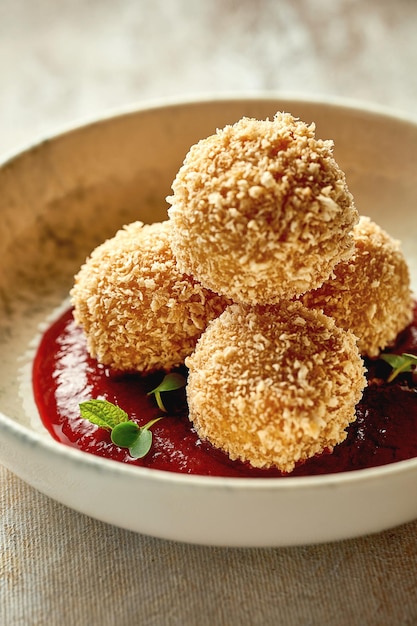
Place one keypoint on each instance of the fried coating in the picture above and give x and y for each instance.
(138, 311)
(369, 293)
(274, 385)
(261, 211)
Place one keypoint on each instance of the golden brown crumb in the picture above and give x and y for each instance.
(370, 292)
(137, 310)
(273, 385)
(261, 210)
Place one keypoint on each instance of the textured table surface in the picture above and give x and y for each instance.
(65, 62)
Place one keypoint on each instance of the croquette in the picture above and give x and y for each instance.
(261, 210)
(274, 384)
(138, 311)
(369, 293)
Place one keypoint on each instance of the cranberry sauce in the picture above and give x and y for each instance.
(65, 375)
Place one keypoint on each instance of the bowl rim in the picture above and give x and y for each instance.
(51, 446)
(176, 101)
(94, 462)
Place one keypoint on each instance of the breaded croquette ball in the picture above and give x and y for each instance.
(274, 385)
(261, 211)
(370, 292)
(138, 311)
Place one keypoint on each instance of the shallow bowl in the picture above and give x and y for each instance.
(64, 196)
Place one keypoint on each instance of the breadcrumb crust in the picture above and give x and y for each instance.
(138, 311)
(369, 293)
(274, 385)
(261, 210)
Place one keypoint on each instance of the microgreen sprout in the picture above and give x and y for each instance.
(137, 438)
(400, 363)
(171, 382)
(125, 433)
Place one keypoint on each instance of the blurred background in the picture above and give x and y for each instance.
(67, 61)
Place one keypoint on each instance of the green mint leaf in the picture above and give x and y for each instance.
(103, 413)
(400, 363)
(142, 444)
(170, 382)
(125, 434)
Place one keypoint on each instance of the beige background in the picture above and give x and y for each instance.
(66, 62)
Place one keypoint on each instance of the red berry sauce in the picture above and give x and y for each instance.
(65, 375)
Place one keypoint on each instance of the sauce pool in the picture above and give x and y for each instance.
(64, 375)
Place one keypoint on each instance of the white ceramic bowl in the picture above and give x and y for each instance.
(60, 199)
